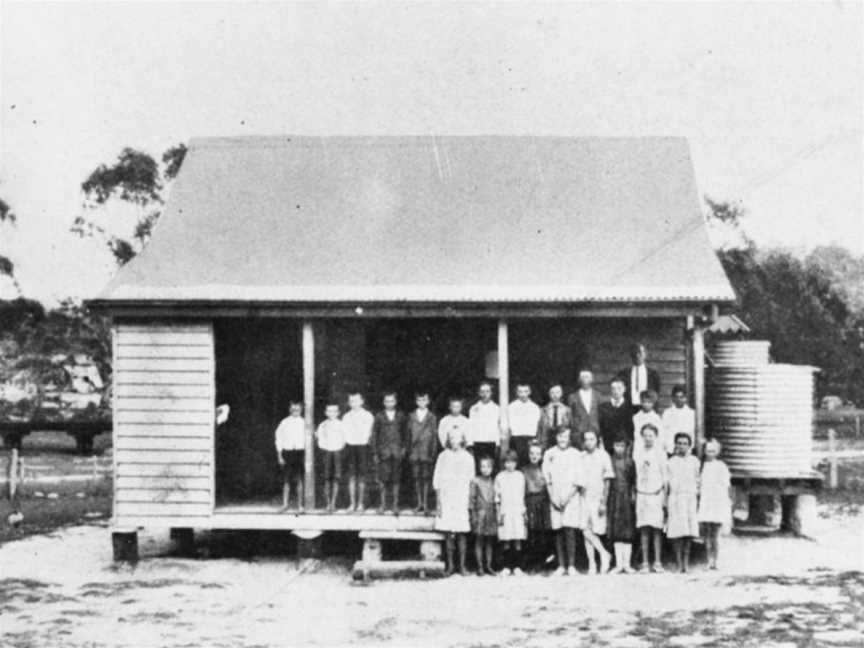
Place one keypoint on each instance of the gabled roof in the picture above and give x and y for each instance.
(420, 219)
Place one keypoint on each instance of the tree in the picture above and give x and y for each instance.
(799, 305)
(7, 267)
(135, 179)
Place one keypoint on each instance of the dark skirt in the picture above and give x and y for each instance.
(620, 517)
(484, 521)
(537, 508)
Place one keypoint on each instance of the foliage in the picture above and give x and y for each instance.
(7, 267)
(802, 306)
(134, 178)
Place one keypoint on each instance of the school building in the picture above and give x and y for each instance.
(304, 267)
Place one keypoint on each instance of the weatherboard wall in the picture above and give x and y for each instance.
(163, 423)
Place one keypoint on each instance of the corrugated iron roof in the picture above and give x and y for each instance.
(418, 219)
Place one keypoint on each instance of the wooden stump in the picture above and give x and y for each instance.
(430, 550)
(310, 547)
(372, 550)
(125, 546)
(803, 514)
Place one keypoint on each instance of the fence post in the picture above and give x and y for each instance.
(832, 459)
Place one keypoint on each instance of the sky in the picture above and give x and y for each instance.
(769, 96)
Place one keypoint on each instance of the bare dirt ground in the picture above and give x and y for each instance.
(63, 590)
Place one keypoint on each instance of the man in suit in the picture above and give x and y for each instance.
(555, 416)
(616, 417)
(585, 406)
(638, 377)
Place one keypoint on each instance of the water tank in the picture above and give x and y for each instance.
(741, 352)
(763, 416)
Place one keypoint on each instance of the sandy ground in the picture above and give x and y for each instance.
(63, 590)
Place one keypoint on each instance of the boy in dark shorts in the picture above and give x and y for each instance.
(357, 422)
(388, 448)
(331, 442)
(423, 448)
(290, 451)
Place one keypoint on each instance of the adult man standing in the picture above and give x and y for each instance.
(616, 418)
(638, 377)
(484, 426)
(523, 419)
(585, 405)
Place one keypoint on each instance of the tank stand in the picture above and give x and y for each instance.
(766, 505)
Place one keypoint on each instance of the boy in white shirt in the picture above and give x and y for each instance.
(455, 424)
(645, 415)
(331, 441)
(523, 420)
(678, 419)
(484, 426)
(290, 451)
(358, 428)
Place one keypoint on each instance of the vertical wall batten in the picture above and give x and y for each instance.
(164, 430)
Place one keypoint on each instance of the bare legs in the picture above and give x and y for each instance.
(592, 544)
(331, 492)
(682, 553)
(647, 534)
(286, 493)
(712, 543)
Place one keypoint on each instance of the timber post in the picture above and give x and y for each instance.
(503, 383)
(308, 337)
(698, 353)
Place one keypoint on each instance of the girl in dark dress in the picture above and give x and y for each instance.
(537, 507)
(621, 516)
(484, 521)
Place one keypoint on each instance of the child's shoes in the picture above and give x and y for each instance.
(571, 571)
(518, 572)
(504, 572)
(658, 568)
(559, 572)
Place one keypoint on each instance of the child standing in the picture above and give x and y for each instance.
(622, 492)
(358, 430)
(454, 471)
(555, 416)
(562, 470)
(388, 445)
(646, 416)
(678, 418)
(454, 423)
(714, 499)
(650, 496)
(536, 504)
(290, 445)
(423, 448)
(597, 471)
(484, 522)
(523, 421)
(510, 501)
(331, 442)
(683, 476)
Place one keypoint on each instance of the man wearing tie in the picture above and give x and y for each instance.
(638, 377)
(585, 406)
(554, 417)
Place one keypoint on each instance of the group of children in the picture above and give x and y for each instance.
(651, 485)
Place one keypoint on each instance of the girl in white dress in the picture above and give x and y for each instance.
(598, 473)
(562, 469)
(454, 471)
(715, 507)
(683, 475)
(650, 496)
(510, 501)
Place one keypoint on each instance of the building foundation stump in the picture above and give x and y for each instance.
(125, 546)
(803, 514)
(310, 547)
(372, 550)
(430, 550)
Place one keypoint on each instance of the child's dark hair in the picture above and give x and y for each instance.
(486, 458)
(649, 426)
(683, 435)
(679, 389)
(355, 392)
(455, 399)
(331, 403)
(422, 392)
(484, 383)
(648, 394)
(616, 379)
(295, 403)
(389, 392)
(510, 455)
